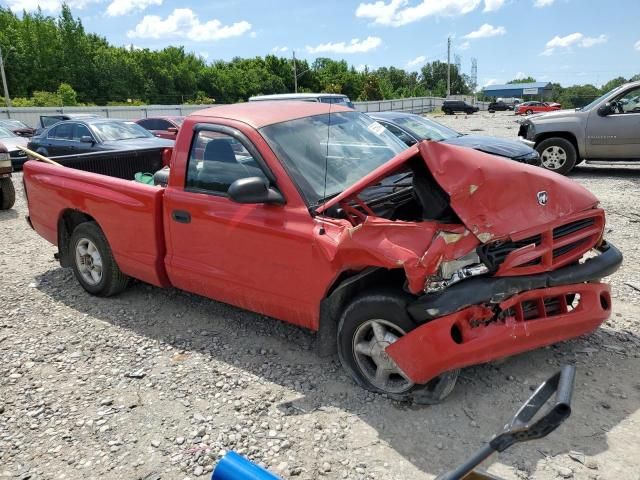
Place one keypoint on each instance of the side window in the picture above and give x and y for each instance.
(52, 133)
(81, 131)
(629, 102)
(400, 134)
(162, 125)
(62, 132)
(145, 124)
(216, 161)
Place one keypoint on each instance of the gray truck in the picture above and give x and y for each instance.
(607, 130)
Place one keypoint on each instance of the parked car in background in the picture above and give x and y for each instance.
(529, 108)
(450, 107)
(48, 120)
(16, 126)
(411, 128)
(499, 107)
(606, 130)
(162, 127)
(94, 135)
(11, 141)
(410, 262)
(7, 190)
(337, 98)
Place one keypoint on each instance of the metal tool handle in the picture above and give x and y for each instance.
(519, 429)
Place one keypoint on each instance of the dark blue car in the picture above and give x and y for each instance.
(71, 137)
(411, 128)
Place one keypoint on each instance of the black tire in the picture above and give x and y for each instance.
(470, 112)
(7, 193)
(447, 112)
(492, 111)
(562, 144)
(112, 281)
(528, 112)
(388, 306)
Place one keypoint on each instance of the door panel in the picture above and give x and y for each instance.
(613, 136)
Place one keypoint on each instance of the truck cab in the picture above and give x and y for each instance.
(606, 130)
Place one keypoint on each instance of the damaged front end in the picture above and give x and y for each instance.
(501, 257)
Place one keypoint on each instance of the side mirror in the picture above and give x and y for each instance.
(86, 139)
(172, 129)
(254, 190)
(605, 109)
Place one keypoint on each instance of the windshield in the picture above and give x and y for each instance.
(4, 133)
(338, 148)
(114, 131)
(599, 99)
(13, 123)
(425, 128)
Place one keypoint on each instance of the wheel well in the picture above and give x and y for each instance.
(344, 288)
(565, 135)
(67, 223)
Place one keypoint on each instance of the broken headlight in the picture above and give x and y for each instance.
(454, 271)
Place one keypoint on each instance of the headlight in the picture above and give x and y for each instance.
(4, 156)
(454, 271)
(531, 131)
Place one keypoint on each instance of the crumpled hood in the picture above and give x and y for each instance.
(503, 147)
(493, 198)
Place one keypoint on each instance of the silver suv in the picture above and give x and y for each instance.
(608, 129)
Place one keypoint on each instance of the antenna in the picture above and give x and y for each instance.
(474, 74)
(457, 60)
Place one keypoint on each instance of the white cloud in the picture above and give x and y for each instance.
(279, 49)
(464, 45)
(185, 24)
(51, 6)
(637, 45)
(361, 68)
(354, 46)
(491, 81)
(417, 61)
(486, 31)
(125, 7)
(576, 39)
(493, 5)
(399, 12)
(542, 3)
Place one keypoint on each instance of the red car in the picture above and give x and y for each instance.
(528, 108)
(410, 262)
(163, 127)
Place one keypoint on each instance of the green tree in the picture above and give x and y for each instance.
(371, 89)
(67, 95)
(522, 80)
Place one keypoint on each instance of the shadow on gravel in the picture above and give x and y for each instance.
(5, 215)
(604, 171)
(433, 438)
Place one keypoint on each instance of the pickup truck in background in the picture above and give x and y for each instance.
(410, 262)
(606, 130)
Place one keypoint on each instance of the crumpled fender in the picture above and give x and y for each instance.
(496, 198)
(417, 247)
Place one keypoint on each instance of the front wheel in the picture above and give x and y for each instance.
(529, 112)
(557, 154)
(93, 263)
(7, 193)
(368, 325)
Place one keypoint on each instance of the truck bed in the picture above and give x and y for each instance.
(101, 186)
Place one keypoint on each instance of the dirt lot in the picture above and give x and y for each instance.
(159, 383)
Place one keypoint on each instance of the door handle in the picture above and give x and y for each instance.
(181, 216)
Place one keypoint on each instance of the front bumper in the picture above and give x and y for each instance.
(486, 319)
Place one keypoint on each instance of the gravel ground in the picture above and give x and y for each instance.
(155, 384)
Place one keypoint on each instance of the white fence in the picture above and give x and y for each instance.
(31, 115)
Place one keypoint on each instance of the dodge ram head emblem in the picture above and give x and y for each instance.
(543, 197)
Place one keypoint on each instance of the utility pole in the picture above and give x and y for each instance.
(295, 73)
(7, 99)
(448, 66)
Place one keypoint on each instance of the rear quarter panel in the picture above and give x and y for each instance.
(129, 213)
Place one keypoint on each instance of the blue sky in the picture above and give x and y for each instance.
(566, 41)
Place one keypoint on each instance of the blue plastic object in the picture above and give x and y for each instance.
(236, 467)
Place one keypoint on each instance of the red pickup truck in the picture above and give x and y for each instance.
(411, 262)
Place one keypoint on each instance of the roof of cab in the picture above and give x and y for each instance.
(296, 96)
(261, 114)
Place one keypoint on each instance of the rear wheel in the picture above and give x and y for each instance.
(528, 112)
(7, 193)
(368, 325)
(93, 263)
(557, 154)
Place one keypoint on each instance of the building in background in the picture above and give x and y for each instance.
(527, 91)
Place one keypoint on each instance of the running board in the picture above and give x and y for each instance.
(612, 162)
